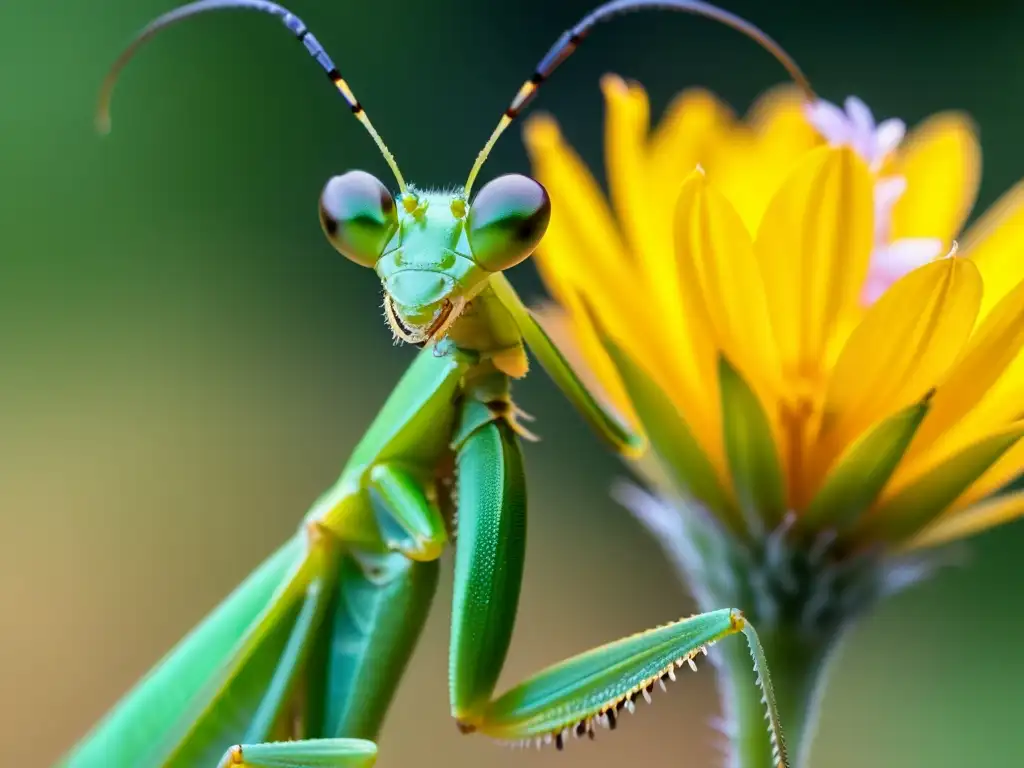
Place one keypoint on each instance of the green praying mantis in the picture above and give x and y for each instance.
(297, 667)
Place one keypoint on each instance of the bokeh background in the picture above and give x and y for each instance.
(185, 363)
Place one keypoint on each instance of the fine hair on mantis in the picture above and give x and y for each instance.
(297, 667)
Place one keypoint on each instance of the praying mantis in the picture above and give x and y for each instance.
(297, 667)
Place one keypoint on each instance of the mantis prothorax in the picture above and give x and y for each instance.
(298, 666)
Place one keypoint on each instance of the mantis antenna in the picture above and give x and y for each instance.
(294, 24)
(570, 40)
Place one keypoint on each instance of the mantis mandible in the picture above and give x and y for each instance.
(297, 667)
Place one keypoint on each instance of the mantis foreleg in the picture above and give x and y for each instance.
(488, 564)
(311, 753)
(575, 696)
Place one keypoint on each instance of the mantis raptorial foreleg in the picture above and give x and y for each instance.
(410, 521)
(489, 561)
(298, 665)
(312, 753)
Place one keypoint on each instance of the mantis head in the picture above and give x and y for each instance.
(432, 254)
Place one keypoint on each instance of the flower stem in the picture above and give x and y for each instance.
(798, 671)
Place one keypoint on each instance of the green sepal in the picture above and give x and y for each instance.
(607, 426)
(319, 753)
(923, 500)
(672, 442)
(751, 451)
(862, 471)
(597, 684)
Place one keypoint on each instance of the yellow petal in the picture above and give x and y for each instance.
(990, 351)
(582, 255)
(721, 284)
(581, 252)
(976, 519)
(941, 162)
(903, 347)
(996, 244)
(813, 247)
(590, 250)
(683, 139)
(685, 354)
(779, 120)
(749, 161)
(1003, 403)
(563, 267)
(1000, 474)
(642, 216)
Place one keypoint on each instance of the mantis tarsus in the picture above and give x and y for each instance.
(297, 667)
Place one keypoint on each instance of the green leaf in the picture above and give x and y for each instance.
(751, 451)
(862, 472)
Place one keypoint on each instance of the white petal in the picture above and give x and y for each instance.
(874, 287)
(830, 121)
(888, 136)
(891, 262)
(887, 191)
(863, 128)
(860, 114)
(909, 253)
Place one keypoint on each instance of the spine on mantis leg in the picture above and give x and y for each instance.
(490, 546)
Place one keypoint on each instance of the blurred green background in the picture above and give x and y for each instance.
(186, 363)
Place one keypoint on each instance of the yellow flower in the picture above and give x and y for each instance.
(771, 300)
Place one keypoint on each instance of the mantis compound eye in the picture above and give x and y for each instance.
(507, 220)
(359, 216)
